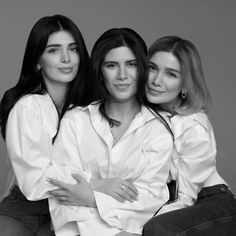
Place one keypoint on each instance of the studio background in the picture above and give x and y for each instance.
(209, 24)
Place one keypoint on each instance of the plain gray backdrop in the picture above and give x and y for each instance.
(209, 24)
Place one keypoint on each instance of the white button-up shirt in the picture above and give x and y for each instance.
(194, 159)
(142, 154)
(31, 125)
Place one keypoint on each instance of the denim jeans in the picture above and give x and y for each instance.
(214, 214)
(21, 217)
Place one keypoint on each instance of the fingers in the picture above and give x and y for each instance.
(118, 197)
(77, 177)
(61, 196)
(127, 195)
(59, 193)
(58, 183)
(130, 189)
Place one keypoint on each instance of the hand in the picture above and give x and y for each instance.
(121, 190)
(80, 194)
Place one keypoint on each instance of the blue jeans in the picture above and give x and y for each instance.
(214, 214)
(21, 217)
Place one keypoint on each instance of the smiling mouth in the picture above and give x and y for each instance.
(122, 86)
(66, 70)
(155, 92)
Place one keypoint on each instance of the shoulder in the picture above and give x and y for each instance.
(182, 123)
(34, 104)
(81, 115)
(35, 101)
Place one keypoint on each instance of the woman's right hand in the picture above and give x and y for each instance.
(119, 189)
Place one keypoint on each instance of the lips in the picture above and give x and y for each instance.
(66, 70)
(122, 86)
(154, 91)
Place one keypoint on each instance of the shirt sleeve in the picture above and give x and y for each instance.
(30, 147)
(153, 192)
(66, 156)
(196, 164)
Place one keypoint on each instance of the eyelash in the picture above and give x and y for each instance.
(132, 64)
(110, 65)
(52, 50)
(74, 49)
(172, 75)
(151, 67)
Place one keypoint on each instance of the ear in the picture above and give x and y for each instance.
(38, 67)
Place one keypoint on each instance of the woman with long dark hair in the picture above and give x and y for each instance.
(52, 80)
(112, 138)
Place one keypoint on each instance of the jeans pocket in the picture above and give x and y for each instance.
(15, 195)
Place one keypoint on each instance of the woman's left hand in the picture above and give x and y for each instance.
(80, 194)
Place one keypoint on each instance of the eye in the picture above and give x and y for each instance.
(132, 64)
(151, 67)
(171, 75)
(110, 65)
(52, 50)
(74, 48)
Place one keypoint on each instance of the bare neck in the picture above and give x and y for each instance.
(57, 92)
(120, 111)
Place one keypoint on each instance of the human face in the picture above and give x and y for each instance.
(60, 60)
(119, 72)
(164, 80)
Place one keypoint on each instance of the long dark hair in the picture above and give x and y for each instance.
(31, 80)
(114, 38)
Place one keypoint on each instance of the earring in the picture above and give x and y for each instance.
(38, 67)
(183, 95)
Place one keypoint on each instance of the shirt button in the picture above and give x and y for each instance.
(222, 189)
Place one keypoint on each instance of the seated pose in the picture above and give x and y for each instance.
(53, 76)
(204, 204)
(114, 137)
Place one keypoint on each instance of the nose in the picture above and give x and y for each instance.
(65, 56)
(122, 73)
(157, 79)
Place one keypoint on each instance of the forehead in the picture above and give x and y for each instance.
(61, 37)
(165, 59)
(120, 54)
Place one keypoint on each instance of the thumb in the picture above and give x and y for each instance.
(78, 178)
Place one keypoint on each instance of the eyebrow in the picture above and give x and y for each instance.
(132, 60)
(170, 69)
(59, 45)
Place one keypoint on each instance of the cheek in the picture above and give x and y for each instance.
(174, 87)
(133, 73)
(150, 77)
(76, 60)
(47, 64)
(108, 76)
